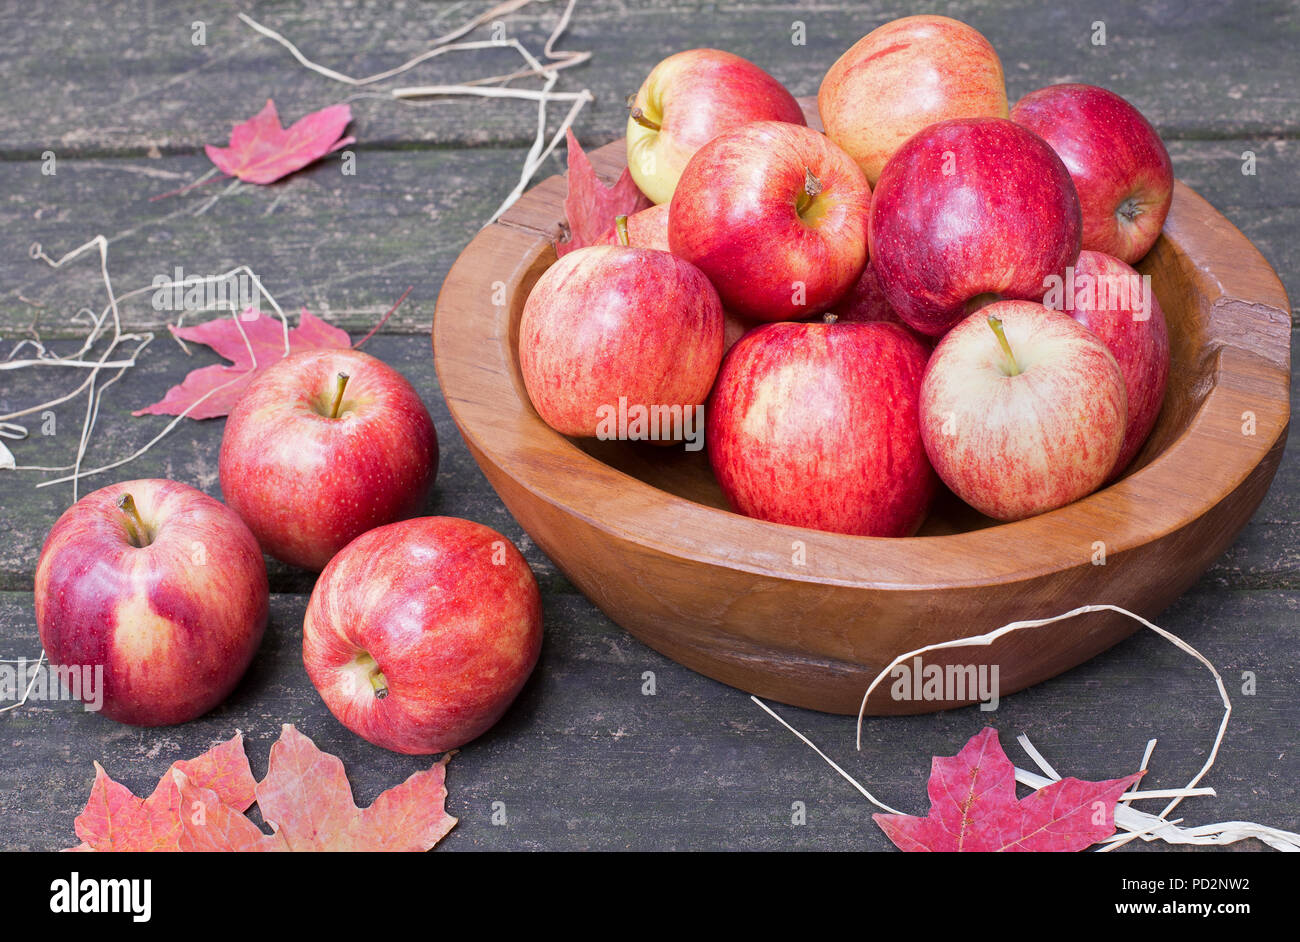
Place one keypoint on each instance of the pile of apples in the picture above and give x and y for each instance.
(938, 286)
(420, 631)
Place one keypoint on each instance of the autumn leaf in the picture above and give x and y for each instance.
(973, 807)
(307, 800)
(252, 342)
(199, 805)
(590, 206)
(115, 819)
(261, 151)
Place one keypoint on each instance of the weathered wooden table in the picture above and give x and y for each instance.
(124, 99)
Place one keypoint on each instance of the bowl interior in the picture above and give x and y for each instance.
(687, 474)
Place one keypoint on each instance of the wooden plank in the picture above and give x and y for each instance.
(132, 83)
(348, 246)
(698, 766)
(190, 455)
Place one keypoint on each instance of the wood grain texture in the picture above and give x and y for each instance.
(587, 762)
(725, 595)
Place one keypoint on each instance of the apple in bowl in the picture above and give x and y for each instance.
(687, 100)
(1023, 410)
(612, 330)
(903, 76)
(775, 215)
(816, 425)
(968, 211)
(324, 446)
(160, 588)
(1118, 305)
(420, 634)
(1118, 163)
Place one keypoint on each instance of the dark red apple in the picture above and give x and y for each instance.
(324, 446)
(967, 211)
(816, 425)
(866, 304)
(420, 634)
(775, 215)
(158, 589)
(1115, 157)
(608, 329)
(1118, 305)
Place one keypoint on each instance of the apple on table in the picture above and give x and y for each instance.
(1119, 165)
(160, 586)
(1022, 410)
(324, 446)
(687, 100)
(420, 634)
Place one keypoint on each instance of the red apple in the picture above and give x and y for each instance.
(420, 634)
(1115, 157)
(903, 76)
(648, 229)
(866, 304)
(324, 446)
(815, 425)
(1117, 304)
(775, 215)
(966, 211)
(159, 590)
(687, 100)
(609, 330)
(1022, 410)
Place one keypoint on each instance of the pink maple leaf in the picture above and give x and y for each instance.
(261, 151)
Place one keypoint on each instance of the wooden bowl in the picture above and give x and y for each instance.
(644, 532)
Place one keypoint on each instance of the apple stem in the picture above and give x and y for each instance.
(620, 225)
(338, 395)
(811, 187)
(378, 682)
(996, 323)
(640, 118)
(830, 318)
(135, 528)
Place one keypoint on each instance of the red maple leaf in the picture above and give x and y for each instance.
(590, 206)
(261, 151)
(199, 806)
(973, 807)
(252, 342)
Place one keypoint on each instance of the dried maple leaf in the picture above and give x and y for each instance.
(591, 207)
(249, 358)
(306, 799)
(261, 151)
(973, 807)
(199, 805)
(115, 819)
